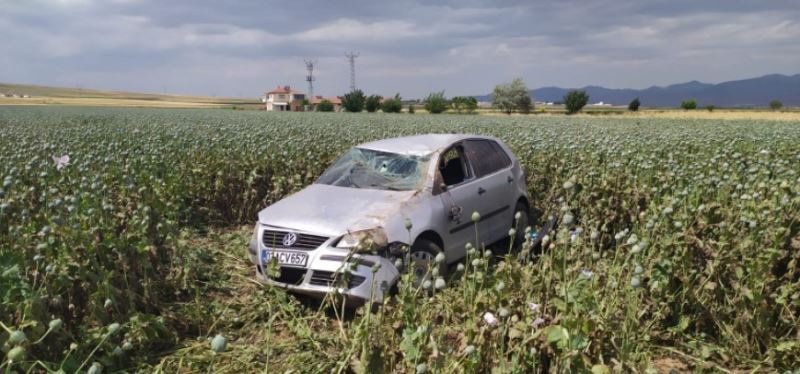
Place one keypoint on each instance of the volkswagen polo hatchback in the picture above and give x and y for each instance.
(388, 205)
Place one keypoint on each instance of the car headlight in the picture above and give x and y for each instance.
(254, 241)
(364, 240)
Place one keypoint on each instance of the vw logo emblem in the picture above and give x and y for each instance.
(289, 239)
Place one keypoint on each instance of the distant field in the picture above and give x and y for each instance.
(44, 95)
(787, 114)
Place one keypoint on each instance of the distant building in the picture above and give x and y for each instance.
(335, 100)
(283, 99)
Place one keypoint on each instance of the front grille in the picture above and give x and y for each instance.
(292, 276)
(321, 278)
(274, 239)
(328, 279)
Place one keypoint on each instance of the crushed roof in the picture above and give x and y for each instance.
(417, 145)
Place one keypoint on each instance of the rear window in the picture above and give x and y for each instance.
(486, 156)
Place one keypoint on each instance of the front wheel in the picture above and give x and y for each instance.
(423, 261)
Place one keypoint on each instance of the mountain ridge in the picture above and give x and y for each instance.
(749, 92)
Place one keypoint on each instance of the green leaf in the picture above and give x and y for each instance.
(578, 341)
(556, 334)
(787, 346)
(559, 303)
(705, 352)
(683, 323)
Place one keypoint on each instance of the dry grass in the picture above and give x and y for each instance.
(44, 95)
(733, 114)
(109, 102)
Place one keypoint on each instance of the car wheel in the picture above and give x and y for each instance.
(520, 225)
(423, 257)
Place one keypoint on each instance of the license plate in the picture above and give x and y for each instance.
(296, 259)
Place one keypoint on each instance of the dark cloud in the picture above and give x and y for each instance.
(411, 47)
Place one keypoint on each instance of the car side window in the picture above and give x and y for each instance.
(485, 156)
(453, 166)
(503, 158)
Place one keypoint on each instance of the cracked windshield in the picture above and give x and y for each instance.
(366, 168)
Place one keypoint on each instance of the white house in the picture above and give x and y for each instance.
(283, 98)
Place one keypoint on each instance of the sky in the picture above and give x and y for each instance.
(243, 48)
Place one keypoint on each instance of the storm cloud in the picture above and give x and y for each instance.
(244, 47)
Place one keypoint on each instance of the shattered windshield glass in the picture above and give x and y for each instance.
(366, 168)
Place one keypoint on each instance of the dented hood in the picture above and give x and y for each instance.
(333, 210)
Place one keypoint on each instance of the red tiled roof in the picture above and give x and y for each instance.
(283, 90)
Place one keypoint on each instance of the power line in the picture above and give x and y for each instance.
(351, 56)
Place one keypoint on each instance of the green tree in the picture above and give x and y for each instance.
(373, 103)
(509, 97)
(325, 106)
(633, 106)
(689, 104)
(393, 105)
(575, 100)
(354, 101)
(436, 103)
(775, 104)
(710, 107)
(411, 108)
(463, 104)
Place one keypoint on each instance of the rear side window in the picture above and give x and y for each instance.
(504, 159)
(485, 156)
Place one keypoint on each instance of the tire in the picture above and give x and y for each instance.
(521, 224)
(423, 254)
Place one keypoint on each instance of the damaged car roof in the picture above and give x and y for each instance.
(416, 145)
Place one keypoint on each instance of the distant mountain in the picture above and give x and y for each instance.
(754, 92)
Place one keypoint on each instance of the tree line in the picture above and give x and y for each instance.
(511, 97)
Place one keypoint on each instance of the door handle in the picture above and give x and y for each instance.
(510, 179)
(481, 191)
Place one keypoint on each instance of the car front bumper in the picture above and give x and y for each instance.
(325, 273)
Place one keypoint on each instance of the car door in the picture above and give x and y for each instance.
(494, 185)
(458, 196)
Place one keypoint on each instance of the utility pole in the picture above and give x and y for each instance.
(351, 56)
(310, 78)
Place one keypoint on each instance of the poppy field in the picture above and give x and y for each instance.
(123, 247)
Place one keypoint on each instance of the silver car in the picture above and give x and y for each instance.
(388, 204)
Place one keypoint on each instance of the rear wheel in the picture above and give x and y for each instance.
(423, 257)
